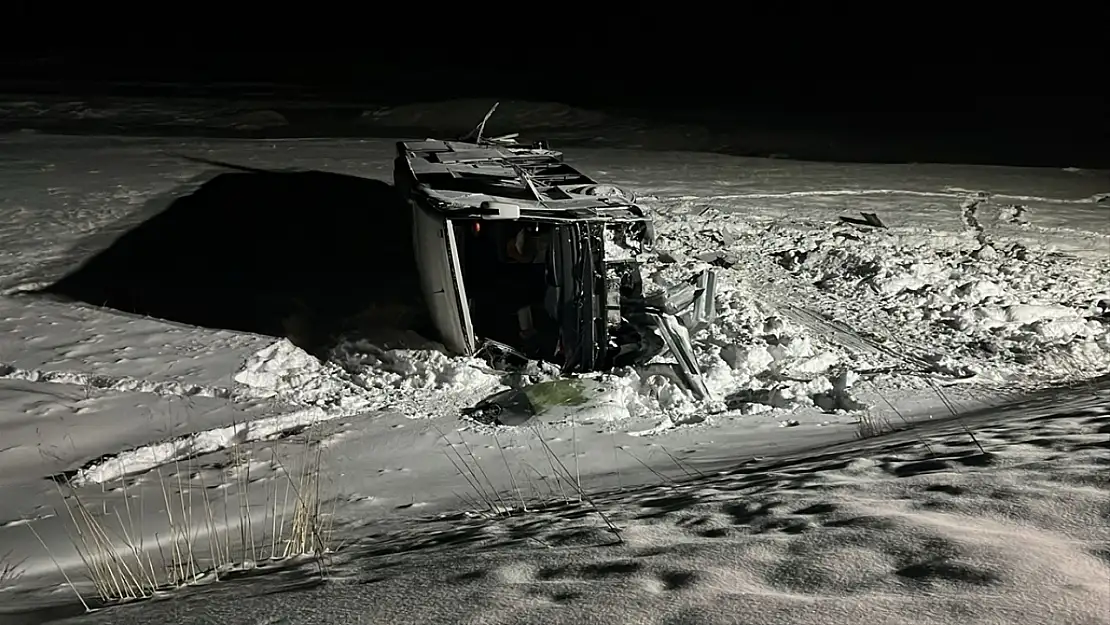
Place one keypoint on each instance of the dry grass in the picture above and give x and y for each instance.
(10, 570)
(871, 425)
(210, 533)
(524, 488)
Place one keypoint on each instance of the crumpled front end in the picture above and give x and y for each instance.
(607, 318)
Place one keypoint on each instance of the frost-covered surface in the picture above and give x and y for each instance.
(987, 283)
(914, 530)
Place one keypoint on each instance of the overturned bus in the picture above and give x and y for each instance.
(521, 256)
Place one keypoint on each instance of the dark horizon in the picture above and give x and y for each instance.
(835, 82)
(989, 104)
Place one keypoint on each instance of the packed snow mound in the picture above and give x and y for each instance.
(413, 369)
(805, 300)
(361, 377)
(1011, 306)
(283, 370)
(461, 116)
(281, 366)
(756, 360)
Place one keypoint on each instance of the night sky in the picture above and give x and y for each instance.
(812, 79)
(980, 89)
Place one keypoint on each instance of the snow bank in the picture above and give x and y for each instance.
(360, 376)
(285, 370)
(427, 383)
(998, 311)
(804, 313)
(948, 303)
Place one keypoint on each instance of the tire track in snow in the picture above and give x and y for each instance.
(152, 455)
(123, 384)
(179, 448)
(24, 288)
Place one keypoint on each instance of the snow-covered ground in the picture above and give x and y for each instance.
(916, 529)
(988, 284)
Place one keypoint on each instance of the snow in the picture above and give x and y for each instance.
(987, 286)
(915, 529)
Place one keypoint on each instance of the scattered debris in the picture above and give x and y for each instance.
(869, 219)
(1014, 213)
(718, 259)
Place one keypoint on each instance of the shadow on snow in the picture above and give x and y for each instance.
(303, 255)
